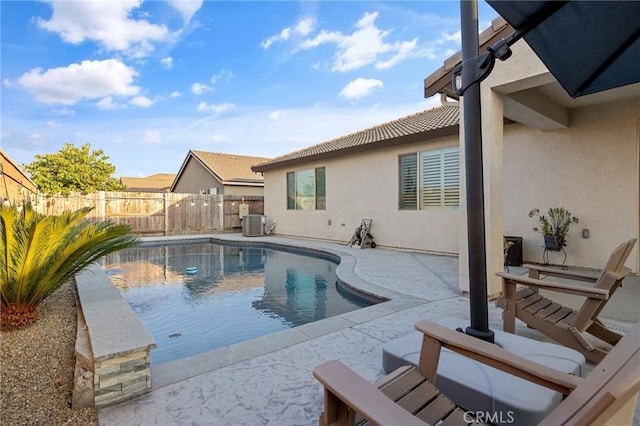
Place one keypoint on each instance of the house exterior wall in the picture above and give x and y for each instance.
(362, 186)
(243, 190)
(196, 177)
(590, 168)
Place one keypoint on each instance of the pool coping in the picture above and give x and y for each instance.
(164, 374)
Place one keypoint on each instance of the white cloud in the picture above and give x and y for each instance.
(7, 83)
(175, 94)
(151, 137)
(404, 50)
(107, 23)
(303, 28)
(141, 101)
(187, 8)
(364, 46)
(107, 104)
(457, 36)
(86, 80)
(214, 108)
(199, 88)
(360, 87)
(223, 75)
(53, 123)
(117, 140)
(68, 112)
(277, 115)
(167, 62)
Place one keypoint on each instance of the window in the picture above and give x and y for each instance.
(408, 182)
(430, 179)
(306, 189)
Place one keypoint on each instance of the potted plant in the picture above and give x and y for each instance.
(554, 226)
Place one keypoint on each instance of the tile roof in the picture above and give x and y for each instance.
(231, 167)
(160, 182)
(435, 122)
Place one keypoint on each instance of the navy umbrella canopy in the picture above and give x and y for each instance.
(588, 46)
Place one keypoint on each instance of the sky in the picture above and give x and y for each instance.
(147, 81)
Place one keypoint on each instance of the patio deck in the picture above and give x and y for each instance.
(268, 381)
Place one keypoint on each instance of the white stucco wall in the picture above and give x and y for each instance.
(590, 168)
(365, 185)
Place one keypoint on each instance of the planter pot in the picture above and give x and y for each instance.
(553, 242)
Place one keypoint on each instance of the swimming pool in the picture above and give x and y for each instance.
(202, 296)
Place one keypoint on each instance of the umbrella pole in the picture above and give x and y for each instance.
(474, 180)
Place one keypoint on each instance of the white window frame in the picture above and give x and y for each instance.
(438, 175)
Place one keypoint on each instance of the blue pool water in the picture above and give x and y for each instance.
(198, 297)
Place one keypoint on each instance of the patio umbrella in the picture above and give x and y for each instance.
(588, 46)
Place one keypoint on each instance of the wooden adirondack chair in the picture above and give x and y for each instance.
(563, 324)
(408, 397)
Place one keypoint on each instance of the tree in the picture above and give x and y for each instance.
(39, 253)
(73, 169)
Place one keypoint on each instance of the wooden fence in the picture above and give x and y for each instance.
(150, 213)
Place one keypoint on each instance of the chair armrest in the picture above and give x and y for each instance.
(588, 276)
(499, 358)
(592, 293)
(362, 396)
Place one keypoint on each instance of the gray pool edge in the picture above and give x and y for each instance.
(171, 372)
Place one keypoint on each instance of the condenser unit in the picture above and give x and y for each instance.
(253, 225)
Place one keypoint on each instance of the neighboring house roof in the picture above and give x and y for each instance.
(440, 80)
(160, 182)
(230, 169)
(15, 172)
(429, 124)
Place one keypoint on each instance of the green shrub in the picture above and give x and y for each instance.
(38, 254)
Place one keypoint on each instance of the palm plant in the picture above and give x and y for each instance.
(38, 254)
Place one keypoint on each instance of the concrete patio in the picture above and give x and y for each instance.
(268, 381)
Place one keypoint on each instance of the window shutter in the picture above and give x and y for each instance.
(291, 191)
(451, 178)
(431, 179)
(408, 182)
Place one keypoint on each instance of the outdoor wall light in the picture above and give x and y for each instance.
(482, 65)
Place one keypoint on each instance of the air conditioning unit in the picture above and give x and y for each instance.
(253, 225)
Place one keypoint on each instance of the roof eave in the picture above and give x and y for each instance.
(400, 140)
(440, 80)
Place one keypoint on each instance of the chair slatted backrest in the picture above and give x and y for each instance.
(615, 264)
(608, 391)
(619, 256)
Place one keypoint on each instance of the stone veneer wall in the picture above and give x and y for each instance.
(121, 378)
(113, 349)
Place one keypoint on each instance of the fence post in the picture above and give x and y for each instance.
(166, 214)
(102, 206)
(221, 204)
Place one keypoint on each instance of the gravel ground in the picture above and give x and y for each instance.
(37, 367)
